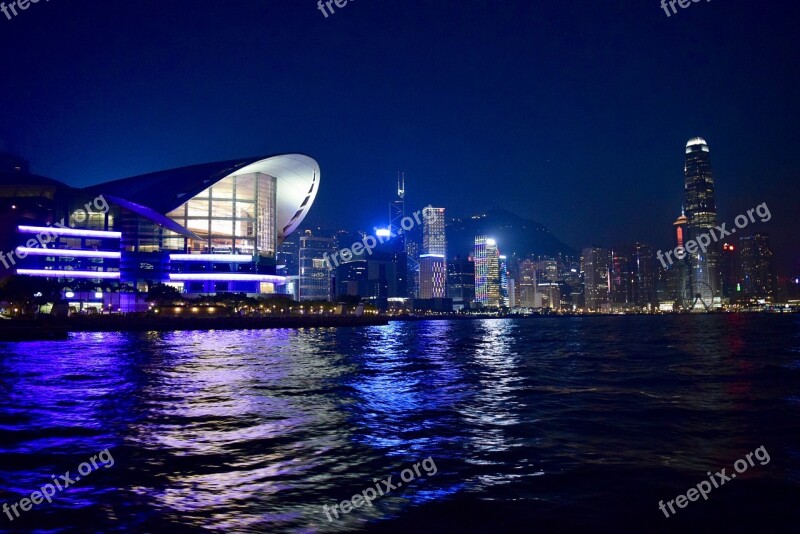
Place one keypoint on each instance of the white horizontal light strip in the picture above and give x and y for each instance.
(68, 253)
(70, 274)
(230, 258)
(227, 277)
(77, 232)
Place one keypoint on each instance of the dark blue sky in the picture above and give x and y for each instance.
(575, 114)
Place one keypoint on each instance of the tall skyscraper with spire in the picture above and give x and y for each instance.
(398, 207)
(701, 214)
(398, 283)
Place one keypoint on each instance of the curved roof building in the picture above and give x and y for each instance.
(161, 195)
(206, 228)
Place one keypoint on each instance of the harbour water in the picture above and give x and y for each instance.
(551, 424)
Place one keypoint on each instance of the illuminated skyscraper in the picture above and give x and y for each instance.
(758, 274)
(432, 264)
(729, 268)
(548, 271)
(398, 207)
(315, 272)
(433, 234)
(621, 279)
(412, 261)
(487, 272)
(595, 269)
(632, 282)
(503, 266)
(432, 276)
(461, 281)
(701, 212)
(398, 279)
(526, 285)
(644, 294)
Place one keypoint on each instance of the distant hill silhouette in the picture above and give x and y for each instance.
(514, 234)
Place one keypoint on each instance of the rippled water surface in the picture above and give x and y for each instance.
(548, 424)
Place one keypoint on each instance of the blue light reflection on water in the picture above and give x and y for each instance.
(545, 421)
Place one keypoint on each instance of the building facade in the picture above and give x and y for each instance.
(505, 299)
(432, 261)
(487, 272)
(432, 276)
(758, 272)
(461, 281)
(315, 272)
(526, 286)
(203, 229)
(701, 213)
(730, 268)
(632, 281)
(595, 266)
(644, 282)
(621, 280)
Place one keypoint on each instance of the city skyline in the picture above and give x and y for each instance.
(695, 147)
(554, 120)
(698, 201)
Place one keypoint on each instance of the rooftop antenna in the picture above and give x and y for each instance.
(398, 208)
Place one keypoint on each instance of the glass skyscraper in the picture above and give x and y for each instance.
(701, 212)
(315, 273)
(595, 268)
(758, 272)
(487, 272)
(461, 281)
(433, 235)
(503, 268)
(432, 261)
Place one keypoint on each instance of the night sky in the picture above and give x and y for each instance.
(574, 114)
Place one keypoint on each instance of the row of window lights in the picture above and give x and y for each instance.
(303, 310)
(179, 309)
(71, 294)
